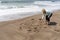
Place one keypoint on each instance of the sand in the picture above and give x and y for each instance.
(31, 28)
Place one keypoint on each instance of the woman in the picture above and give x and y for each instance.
(46, 16)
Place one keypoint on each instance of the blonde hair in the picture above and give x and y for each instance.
(43, 11)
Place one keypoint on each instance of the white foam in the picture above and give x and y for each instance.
(17, 10)
(47, 3)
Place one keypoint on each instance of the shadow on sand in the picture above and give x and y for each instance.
(52, 23)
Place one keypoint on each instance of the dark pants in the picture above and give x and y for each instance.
(48, 18)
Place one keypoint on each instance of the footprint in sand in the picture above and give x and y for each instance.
(57, 30)
(45, 27)
(36, 30)
(37, 25)
(39, 19)
(20, 27)
(32, 19)
(29, 30)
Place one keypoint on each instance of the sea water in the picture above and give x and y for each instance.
(11, 10)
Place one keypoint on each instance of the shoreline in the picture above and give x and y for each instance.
(21, 18)
(18, 16)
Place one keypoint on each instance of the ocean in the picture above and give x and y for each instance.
(20, 9)
(23, 4)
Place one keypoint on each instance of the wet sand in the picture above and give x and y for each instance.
(31, 28)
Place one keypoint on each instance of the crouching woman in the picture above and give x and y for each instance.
(46, 16)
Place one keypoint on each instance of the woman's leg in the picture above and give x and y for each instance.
(47, 19)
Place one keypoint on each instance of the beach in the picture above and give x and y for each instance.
(31, 28)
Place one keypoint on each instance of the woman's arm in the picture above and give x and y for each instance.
(42, 16)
